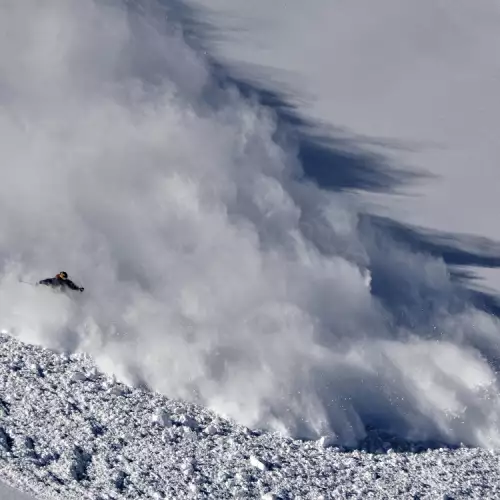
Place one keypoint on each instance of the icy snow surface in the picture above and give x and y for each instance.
(68, 431)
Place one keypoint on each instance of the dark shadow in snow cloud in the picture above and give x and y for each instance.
(338, 162)
(457, 250)
(328, 157)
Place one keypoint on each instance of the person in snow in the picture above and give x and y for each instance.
(60, 281)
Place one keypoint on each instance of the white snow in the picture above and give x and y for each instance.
(255, 462)
(69, 441)
(162, 417)
(232, 309)
(326, 441)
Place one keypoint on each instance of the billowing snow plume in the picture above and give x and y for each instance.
(211, 273)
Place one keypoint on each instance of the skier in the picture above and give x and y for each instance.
(60, 281)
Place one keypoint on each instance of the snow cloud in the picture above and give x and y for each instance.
(199, 250)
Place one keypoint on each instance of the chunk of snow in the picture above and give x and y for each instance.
(188, 422)
(188, 469)
(211, 430)
(327, 441)
(115, 390)
(161, 417)
(168, 435)
(190, 434)
(242, 476)
(35, 368)
(78, 377)
(92, 374)
(259, 464)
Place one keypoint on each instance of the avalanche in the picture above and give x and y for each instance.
(229, 292)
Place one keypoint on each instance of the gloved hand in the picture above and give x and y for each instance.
(82, 289)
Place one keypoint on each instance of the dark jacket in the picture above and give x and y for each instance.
(60, 283)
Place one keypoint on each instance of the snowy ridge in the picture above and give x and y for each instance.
(68, 431)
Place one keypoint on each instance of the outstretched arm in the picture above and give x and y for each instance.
(46, 281)
(71, 285)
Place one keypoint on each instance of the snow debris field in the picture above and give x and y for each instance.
(69, 431)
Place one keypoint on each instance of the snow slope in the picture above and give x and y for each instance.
(216, 271)
(69, 431)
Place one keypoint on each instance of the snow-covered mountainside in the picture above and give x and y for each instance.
(69, 432)
(232, 264)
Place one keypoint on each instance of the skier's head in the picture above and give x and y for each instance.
(63, 275)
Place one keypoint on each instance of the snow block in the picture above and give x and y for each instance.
(188, 422)
(327, 441)
(211, 430)
(259, 464)
(78, 377)
(162, 418)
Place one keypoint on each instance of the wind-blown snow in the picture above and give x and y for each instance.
(422, 75)
(212, 273)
